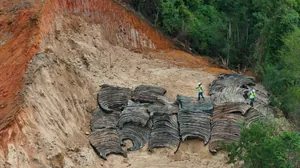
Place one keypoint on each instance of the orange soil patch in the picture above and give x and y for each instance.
(181, 58)
(26, 37)
(216, 70)
(220, 70)
(15, 54)
(249, 73)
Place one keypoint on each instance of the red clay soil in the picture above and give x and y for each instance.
(14, 56)
(181, 58)
(217, 70)
(34, 25)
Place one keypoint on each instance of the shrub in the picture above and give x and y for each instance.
(261, 147)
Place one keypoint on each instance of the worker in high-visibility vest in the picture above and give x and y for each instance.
(200, 91)
(252, 97)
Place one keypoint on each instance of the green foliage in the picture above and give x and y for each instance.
(245, 32)
(275, 19)
(286, 84)
(197, 24)
(260, 146)
(259, 34)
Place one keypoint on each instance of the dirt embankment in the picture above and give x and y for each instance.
(17, 45)
(88, 43)
(28, 25)
(60, 91)
(121, 26)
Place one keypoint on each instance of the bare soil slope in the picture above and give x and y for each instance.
(60, 91)
(26, 25)
(46, 99)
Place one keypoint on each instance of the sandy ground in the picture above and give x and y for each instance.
(60, 93)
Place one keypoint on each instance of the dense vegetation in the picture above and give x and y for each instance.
(259, 34)
(262, 35)
(261, 146)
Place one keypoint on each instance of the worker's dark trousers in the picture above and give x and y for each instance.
(200, 94)
(251, 102)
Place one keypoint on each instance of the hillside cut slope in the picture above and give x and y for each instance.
(54, 54)
(26, 26)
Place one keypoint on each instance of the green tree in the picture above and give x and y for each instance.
(240, 34)
(285, 87)
(274, 20)
(250, 33)
(197, 24)
(259, 146)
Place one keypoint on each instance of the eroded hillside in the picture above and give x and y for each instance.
(28, 25)
(83, 44)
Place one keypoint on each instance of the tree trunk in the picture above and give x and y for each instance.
(156, 18)
(247, 33)
(228, 41)
(238, 34)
